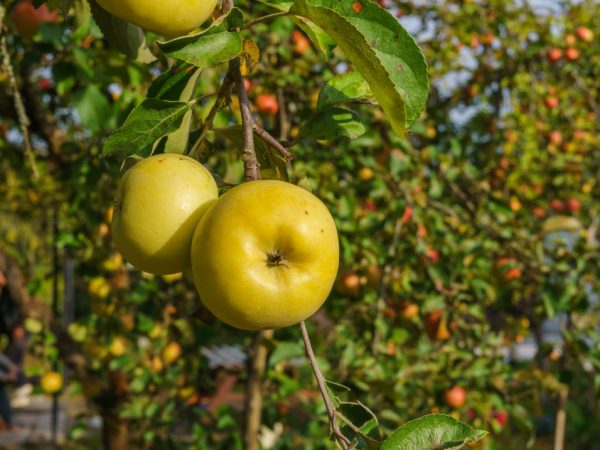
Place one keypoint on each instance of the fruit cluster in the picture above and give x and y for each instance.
(264, 255)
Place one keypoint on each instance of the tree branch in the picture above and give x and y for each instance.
(19, 105)
(251, 165)
(343, 440)
(222, 96)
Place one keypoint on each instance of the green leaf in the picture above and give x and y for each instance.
(284, 351)
(124, 36)
(93, 107)
(177, 141)
(332, 122)
(147, 123)
(172, 83)
(204, 50)
(343, 89)
(380, 49)
(432, 432)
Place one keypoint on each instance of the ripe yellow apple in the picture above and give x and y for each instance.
(99, 287)
(171, 352)
(168, 18)
(265, 255)
(51, 382)
(158, 205)
(118, 346)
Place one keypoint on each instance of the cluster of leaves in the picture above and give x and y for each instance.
(482, 221)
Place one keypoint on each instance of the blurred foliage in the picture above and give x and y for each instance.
(460, 242)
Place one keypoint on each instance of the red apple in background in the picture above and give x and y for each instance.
(28, 20)
(248, 85)
(407, 215)
(585, 34)
(570, 39)
(301, 42)
(349, 284)
(267, 104)
(572, 54)
(573, 205)
(539, 212)
(501, 417)
(409, 310)
(555, 54)
(557, 205)
(551, 102)
(455, 397)
(555, 137)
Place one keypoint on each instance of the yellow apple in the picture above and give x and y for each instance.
(265, 255)
(118, 346)
(158, 205)
(51, 382)
(171, 352)
(168, 18)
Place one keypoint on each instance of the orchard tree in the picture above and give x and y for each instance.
(466, 219)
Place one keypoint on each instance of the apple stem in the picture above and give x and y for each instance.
(24, 121)
(344, 441)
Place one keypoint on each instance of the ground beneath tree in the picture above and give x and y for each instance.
(34, 424)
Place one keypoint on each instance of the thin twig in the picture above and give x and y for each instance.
(251, 165)
(266, 18)
(269, 139)
(24, 121)
(344, 441)
(222, 97)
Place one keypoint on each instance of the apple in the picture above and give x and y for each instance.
(432, 255)
(551, 102)
(571, 54)
(585, 34)
(248, 85)
(265, 255)
(118, 346)
(570, 39)
(349, 284)
(300, 42)
(513, 273)
(171, 352)
(555, 137)
(501, 417)
(366, 174)
(408, 310)
(554, 54)
(539, 212)
(455, 397)
(51, 382)
(374, 275)
(267, 104)
(407, 215)
(172, 18)
(99, 287)
(558, 205)
(158, 205)
(573, 205)
(28, 20)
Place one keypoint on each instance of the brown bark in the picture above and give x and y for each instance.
(115, 431)
(254, 395)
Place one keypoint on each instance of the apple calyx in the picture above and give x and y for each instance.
(275, 258)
